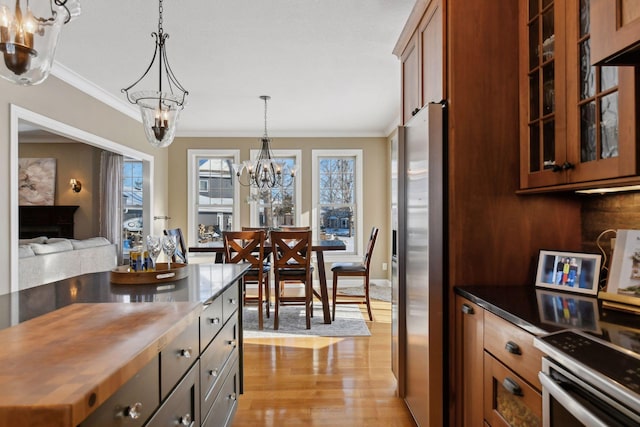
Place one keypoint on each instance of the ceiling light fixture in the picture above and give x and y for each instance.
(29, 33)
(265, 172)
(160, 110)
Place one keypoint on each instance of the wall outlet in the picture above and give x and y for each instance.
(384, 266)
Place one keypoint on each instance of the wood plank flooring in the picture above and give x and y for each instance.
(321, 381)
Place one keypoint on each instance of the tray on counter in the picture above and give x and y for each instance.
(124, 275)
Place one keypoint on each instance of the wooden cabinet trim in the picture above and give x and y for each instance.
(613, 42)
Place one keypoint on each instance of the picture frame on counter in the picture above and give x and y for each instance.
(568, 310)
(623, 284)
(569, 271)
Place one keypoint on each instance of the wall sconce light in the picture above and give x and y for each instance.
(76, 185)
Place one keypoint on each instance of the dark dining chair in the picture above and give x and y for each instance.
(358, 269)
(292, 263)
(248, 246)
(181, 251)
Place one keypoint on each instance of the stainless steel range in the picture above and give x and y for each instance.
(588, 381)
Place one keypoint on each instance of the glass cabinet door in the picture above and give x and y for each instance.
(542, 126)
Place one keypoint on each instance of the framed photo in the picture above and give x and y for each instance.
(569, 271)
(568, 310)
(624, 276)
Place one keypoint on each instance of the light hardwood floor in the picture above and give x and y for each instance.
(320, 381)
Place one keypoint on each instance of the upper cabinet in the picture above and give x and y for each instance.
(615, 32)
(577, 121)
(422, 63)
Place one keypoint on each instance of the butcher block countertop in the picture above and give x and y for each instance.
(57, 368)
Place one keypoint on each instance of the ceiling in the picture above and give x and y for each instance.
(327, 64)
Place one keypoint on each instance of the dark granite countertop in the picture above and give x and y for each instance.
(203, 283)
(538, 311)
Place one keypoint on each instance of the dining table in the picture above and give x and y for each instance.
(317, 246)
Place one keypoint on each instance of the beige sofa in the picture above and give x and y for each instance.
(45, 260)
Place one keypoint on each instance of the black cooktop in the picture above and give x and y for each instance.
(620, 364)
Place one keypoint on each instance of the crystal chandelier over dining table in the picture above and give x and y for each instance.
(265, 171)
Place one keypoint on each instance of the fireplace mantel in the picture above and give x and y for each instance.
(50, 221)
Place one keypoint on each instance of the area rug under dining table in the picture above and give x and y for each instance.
(349, 323)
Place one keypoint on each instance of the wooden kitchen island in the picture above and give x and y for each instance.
(88, 352)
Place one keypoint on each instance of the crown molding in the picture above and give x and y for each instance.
(82, 84)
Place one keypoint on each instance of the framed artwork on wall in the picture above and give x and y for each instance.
(36, 181)
(569, 271)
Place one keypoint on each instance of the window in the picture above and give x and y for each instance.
(337, 197)
(132, 203)
(213, 203)
(279, 205)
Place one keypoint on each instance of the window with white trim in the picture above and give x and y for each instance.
(213, 194)
(132, 204)
(337, 197)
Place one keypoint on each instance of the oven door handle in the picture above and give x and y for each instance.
(573, 406)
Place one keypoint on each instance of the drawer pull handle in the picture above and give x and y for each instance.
(186, 420)
(467, 309)
(513, 348)
(214, 320)
(233, 343)
(233, 396)
(134, 411)
(233, 301)
(186, 353)
(512, 386)
(213, 372)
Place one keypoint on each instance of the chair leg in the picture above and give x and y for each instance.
(335, 295)
(260, 314)
(308, 296)
(366, 297)
(267, 292)
(276, 290)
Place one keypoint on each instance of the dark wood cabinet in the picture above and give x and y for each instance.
(615, 31)
(50, 221)
(577, 121)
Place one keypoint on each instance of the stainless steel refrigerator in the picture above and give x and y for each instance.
(421, 264)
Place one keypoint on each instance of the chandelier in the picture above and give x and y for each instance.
(29, 33)
(160, 110)
(265, 172)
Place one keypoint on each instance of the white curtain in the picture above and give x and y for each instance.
(111, 199)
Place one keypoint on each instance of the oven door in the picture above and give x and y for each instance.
(568, 401)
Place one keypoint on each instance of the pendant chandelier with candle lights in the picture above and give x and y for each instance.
(160, 109)
(265, 171)
(29, 33)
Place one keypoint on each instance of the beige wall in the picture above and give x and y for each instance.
(79, 161)
(59, 101)
(375, 177)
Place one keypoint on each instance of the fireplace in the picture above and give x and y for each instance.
(50, 221)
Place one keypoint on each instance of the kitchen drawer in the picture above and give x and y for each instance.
(182, 407)
(133, 403)
(508, 399)
(210, 322)
(226, 403)
(230, 301)
(513, 347)
(177, 357)
(216, 362)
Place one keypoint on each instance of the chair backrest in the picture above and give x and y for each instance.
(370, 245)
(181, 250)
(291, 249)
(244, 246)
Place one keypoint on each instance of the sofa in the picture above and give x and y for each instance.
(45, 260)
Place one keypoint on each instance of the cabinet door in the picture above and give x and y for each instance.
(508, 399)
(410, 80)
(431, 49)
(469, 363)
(542, 93)
(601, 107)
(615, 31)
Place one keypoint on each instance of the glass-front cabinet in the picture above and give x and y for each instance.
(577, 120)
